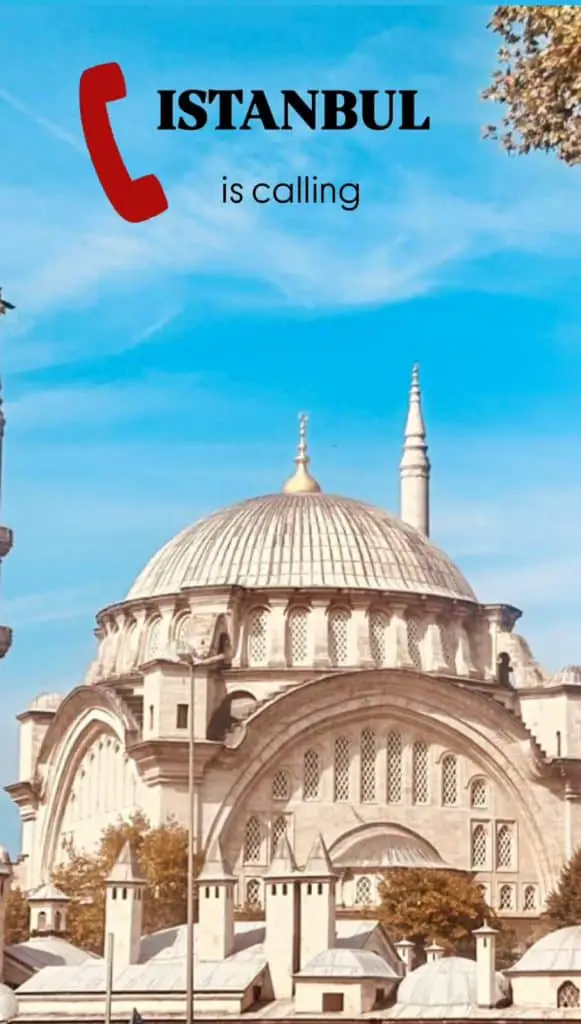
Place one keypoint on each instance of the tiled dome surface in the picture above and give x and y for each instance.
(306, 540)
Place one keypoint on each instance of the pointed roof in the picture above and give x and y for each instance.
(47, 893)
(216, 867)
(126, 869)
(283, 862)
(319, 864)
(415, 448)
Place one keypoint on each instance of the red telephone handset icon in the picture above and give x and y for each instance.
(136, 199)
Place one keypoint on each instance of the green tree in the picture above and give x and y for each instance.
(427, 906)
(563, 905)
(163, 857)
(539, 80)
(17, 917)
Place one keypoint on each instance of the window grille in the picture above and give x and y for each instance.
(311, 775)
(414, 637)
(445, 645)
(420, 773)
(504, 851)
(479, 793)
(257, 638)
(567, 995)
(342, 767)
(339, 636)
(479, 852)
(367, 766)
(378, 637)
(505, 900)
(298, 645)
(278, 830)
(183, 631)
(449, 781)
(530, 898)
(153, 639)
(252, 840)
(394, 768)
(280, 785)
(363, 891)
(253, 893)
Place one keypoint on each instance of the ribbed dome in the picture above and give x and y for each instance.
(450, 981)
(559, 951)
(302, 540)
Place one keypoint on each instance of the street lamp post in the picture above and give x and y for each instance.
(193, 661)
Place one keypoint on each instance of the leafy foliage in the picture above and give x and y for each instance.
(163, 857)
(17, 917)
(563, 906)
(445, 907)
(539, 80)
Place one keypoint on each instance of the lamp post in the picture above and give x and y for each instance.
(194, 661)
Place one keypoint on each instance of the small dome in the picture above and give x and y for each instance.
(384, 845)
(8, 1004)
(46, 702)
(348, 963)
(449, 981)
(302, 540)
(558, 951)
(568, 676)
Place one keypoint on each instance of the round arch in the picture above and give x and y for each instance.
(464, 719)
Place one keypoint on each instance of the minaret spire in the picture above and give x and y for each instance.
(301, 482)
(415, 464)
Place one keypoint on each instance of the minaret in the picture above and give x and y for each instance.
(415, 465)
(215, 885)
(318, 904)
(301, 482)
(282, 938)
(5, 533)
(124, 908)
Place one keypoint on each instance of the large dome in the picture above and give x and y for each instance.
(302, 540)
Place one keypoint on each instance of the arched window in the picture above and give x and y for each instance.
(258, 637)
(479, 851)
(378, 627)
(298, 638)
(280, 785)
(252, 840)
(341, 766)
(445, 645)
(311, 775)
(505, 898)
(420, 773)
(278, 830)
(339, 636)
(367, 766)
(253, 893)
(449, 781)
(504, 846)
(478, 793)
(363, 891)
(394, 768)
(153, 644)
(183, 630)
(41, 921)
(414, 637)
(530, 897)
(567, 995)
(57, 921)
(128, 647)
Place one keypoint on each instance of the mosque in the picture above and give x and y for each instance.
(355, 708)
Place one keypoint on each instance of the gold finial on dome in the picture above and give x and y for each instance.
(301, 482)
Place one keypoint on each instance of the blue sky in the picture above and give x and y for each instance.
(154, 372)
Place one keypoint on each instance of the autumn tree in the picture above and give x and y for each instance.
(539, 80)
(17, 919)
(432, 905)
(163, 857)
(563, 905)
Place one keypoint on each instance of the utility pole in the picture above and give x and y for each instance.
(193, 661)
